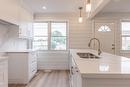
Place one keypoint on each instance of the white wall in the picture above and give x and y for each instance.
(9, 38)
(116, 17)
(79, 35)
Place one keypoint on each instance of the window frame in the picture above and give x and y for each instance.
(49, 34)
(121, 35)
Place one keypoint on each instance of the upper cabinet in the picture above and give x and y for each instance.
(13, 11)
(9, 11)
(95, 6)
(25, 23)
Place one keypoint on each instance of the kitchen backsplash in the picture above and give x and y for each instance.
(9, 38)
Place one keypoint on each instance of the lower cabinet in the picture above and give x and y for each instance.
(4, 73)
(22, 67)
(75, 76)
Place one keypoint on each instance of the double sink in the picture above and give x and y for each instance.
(88, 56)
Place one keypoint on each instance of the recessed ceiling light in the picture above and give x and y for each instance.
(44, 7)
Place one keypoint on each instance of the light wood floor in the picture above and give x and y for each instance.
(52, 79)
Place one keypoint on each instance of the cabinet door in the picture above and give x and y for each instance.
(23, 27)
(9, 11)
(73, 75)
(25, 21)
(30, 29)
(78, 80)
(3, 74)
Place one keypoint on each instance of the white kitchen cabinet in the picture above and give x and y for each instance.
(4, 73)
(9, 11)
(13, 11)
(107, 71)
(75, 76)
(22, 67)
(25, 23)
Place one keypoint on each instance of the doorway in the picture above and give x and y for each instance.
(105, 32)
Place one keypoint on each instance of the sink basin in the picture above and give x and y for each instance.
(87, 55)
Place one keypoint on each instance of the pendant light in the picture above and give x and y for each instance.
(80, 17)
(88, 6)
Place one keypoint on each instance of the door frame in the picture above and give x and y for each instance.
(107, 21)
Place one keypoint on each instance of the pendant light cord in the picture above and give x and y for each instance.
(80, 8)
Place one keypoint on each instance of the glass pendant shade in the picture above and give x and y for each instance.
(80, 19)
(88, 7)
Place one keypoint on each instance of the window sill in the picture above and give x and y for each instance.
(124, 51)
(54, 51)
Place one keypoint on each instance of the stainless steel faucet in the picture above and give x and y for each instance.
(99, 45)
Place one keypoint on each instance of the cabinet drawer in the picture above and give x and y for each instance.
(34, 67)
(33, 57)
(33, 60)
(1, 77)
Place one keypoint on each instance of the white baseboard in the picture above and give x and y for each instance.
(17, 81)
(53, 65)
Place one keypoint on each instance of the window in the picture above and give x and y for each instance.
(104, 28)
(50, 36)
(40, 36)
(125, 25)
(58, 36)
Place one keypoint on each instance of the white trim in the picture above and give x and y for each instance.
(124, 51)
(121, 50)
(49, 33)
(125, 20)
(120, 26)
(125, 35)
(106, 21)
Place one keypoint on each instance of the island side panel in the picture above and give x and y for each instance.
(104, 82)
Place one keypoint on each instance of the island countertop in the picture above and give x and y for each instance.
(108, 64)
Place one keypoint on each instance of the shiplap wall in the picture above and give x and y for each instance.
(116, 17)
(79, 35)
(9, 38)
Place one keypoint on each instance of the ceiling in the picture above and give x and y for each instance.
(117, 6)
(55, 6)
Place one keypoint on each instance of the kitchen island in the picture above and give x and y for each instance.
(106, 71)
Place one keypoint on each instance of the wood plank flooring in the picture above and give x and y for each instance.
(52, 79)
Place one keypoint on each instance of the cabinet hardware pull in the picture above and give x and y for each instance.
(72, 70)
(77, 71)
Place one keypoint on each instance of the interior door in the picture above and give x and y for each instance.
(105, 32)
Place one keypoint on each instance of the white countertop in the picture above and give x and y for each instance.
(108, 64)
(17, 51)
